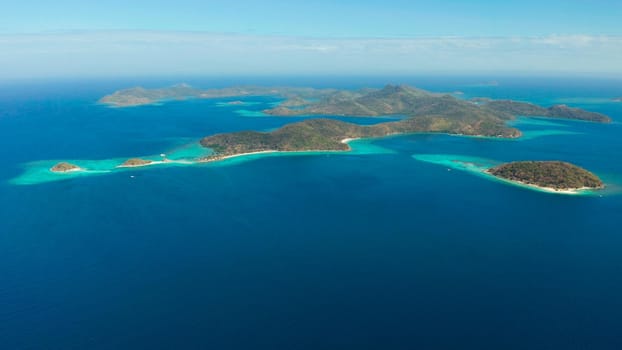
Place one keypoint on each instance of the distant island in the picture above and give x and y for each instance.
(391, 100)
(531, 110)
(139, 96)
(135, 162)
(617, 99)
(412, 102)
(64, 167)
(548, 175)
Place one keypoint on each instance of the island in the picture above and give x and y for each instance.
(392, 100)
(135, 162)
(410, 101)
(332, 135)
(617, 99)
(526, 109)
(554, 176)
(64, 167)
(139, 96)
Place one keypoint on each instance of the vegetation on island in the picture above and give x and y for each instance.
(138, 96)
(133, 162)
(328, 134)
(549, 174)
(64, 167)
(312, 134)
(295, 102)
(525, 109)
(391, 100)
(409, 101)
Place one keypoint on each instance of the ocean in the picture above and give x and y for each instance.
(370, 249)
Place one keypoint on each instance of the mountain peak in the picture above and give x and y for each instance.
(402, 88)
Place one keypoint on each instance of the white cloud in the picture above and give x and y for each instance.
(150, 53)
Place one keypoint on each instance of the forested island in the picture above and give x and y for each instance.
(391, 100)
(331, 135)
(412, 102)
(135, 162)
(139, 96)
(531, 110)
(549, 175)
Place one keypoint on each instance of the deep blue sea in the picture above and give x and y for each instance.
(325, 251)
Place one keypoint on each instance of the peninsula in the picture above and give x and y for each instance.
(64, 167)
(552, 176)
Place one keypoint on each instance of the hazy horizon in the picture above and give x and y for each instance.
(74, 39)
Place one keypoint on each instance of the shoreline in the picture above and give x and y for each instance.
(219, 158)
(566, 191)
(156, 162)
(216, 158)
(348, 139)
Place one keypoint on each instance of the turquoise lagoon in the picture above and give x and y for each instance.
(185, 155)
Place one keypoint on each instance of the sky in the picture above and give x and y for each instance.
(70, 38)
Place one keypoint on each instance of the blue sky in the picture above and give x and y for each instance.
(70, 37)
(360, 18)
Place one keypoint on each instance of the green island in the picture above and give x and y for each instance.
(332, 135)
(548, 175)
(400, 100)
(135, 162)
(139, 96)
(410, 101)
(64, 167)
(553, 177)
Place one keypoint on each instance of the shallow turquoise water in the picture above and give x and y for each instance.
(187, 154)
(181, 156)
